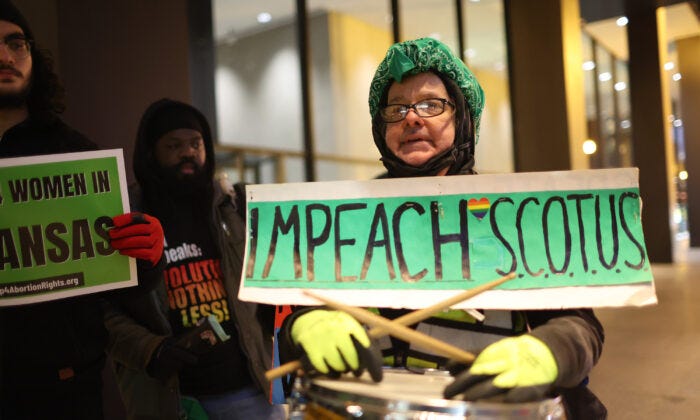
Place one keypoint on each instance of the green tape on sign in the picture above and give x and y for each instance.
(550, 239)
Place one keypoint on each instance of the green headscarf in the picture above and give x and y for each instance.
(420, 56)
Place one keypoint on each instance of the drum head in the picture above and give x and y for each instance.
(407, 395)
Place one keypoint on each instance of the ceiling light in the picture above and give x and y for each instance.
(683, 175)
(588, 65)
(677, 122)
(676, 77)
(264, 17)
(589, 147)
(669, 65)
(604, 77)
(619, 86)
(622, 21)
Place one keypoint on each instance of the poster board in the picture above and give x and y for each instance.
(573, 239)
(55, 211)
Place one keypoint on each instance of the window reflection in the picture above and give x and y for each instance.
(258, 82)
(606, 81)
(605, 50)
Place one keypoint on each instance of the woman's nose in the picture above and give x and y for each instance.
(412, 118)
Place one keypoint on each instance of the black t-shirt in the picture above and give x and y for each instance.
(194, 282)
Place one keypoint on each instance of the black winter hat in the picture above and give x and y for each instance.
(172, 116)
(9, 12)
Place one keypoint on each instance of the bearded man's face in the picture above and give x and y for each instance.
(15, 66)
(181, 156)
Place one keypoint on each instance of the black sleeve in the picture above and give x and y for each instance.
(266, 317)
(148, 279)
(574, 336)
(240, 199)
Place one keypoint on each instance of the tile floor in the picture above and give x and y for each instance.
(650, 367)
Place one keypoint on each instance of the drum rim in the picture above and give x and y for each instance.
(373, 405)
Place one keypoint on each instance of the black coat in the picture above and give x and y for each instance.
(39, 342)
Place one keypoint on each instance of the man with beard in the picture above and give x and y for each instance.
(205, 238)
(52, 353)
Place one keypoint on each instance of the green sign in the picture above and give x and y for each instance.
(455, 240)
(55, 211)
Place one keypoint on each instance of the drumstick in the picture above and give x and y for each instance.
(398, 330)
(425, 313)
(407, 319)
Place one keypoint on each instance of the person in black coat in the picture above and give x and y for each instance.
(52, 353)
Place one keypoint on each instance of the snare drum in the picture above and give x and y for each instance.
(407, 395)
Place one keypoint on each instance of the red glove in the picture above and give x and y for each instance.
(138, 235)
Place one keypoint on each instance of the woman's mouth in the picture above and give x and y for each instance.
(414, 141)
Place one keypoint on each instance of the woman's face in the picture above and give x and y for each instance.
(416, 139)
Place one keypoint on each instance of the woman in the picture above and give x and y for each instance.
(426, 107)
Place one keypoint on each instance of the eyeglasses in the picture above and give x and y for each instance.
(17, 46)
(426, 108)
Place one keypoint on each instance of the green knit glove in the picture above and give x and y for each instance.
(333, 342)
(522, 368)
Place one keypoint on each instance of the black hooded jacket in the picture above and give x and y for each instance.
(139, 326)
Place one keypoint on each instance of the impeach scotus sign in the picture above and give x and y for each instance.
(573, 239)
(54, 214)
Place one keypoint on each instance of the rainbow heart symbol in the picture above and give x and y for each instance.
(479, 207)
